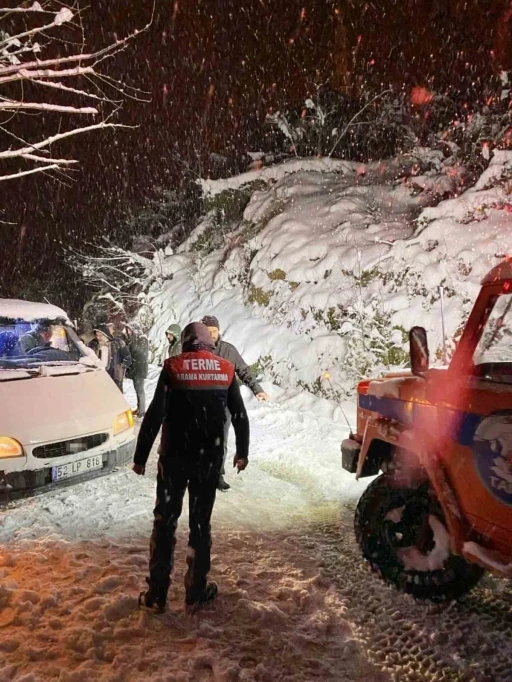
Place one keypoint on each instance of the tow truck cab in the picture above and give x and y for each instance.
(454, 423)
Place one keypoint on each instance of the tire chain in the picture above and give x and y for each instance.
(469, 640)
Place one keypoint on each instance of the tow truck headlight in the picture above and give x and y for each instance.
(123, 422)
(9, 447)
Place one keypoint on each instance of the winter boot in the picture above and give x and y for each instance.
(147, 600)
(222, 484)
(197, 597)
(151, 601)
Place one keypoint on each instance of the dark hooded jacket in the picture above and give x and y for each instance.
(138, 346)
(227, 351)
(175, 347)
(190, 403)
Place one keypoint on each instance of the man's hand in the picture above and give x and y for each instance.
(240, 463)
(139, 469)
(262, 397)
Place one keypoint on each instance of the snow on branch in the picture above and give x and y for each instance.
(12, 105)
(113, 270)
(28, 55)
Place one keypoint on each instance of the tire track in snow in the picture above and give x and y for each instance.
(465, 641)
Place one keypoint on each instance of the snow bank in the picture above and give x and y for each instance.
(333, 262)
(278, 172)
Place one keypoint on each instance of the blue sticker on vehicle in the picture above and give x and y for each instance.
(489, 437)
(492, 447)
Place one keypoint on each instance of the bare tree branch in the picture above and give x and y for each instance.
(23, 10)
(12, 105)
(15, 176)
(75, 91)
(20, 63)
(25, 75)
(63, 16)
(14, 153)
(46, 159)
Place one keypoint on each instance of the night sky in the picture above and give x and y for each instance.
(214, 68)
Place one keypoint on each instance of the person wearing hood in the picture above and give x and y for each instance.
(227, 351)
(192, 395)
(138, 347)
(113, 354)
(173, 335)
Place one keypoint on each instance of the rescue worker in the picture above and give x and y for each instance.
(138, 346)
(227, 351)
(173, 335)
(190, 401)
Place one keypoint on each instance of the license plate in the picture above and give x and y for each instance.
(82, 466)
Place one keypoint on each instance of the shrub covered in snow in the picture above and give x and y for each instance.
(330, 263)
(378, 124)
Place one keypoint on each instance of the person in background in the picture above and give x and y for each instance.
(94, 343)
(40, 337)
(121, 355)
(138, 347)
(190, 406)
(228, 352)
(173, 335)
(102, 346)
(114, 357)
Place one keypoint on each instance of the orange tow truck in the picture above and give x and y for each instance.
(440, 512)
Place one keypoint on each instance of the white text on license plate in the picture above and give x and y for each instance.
(82, 466)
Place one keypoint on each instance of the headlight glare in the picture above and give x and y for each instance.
(9, 447)
(123, 422)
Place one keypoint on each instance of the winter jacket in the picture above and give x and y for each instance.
(175, 347)
(121, 359)
(227, 351)
(94, 345)
(190, 403)
(28, 342)
(119, 355)
(138, 347)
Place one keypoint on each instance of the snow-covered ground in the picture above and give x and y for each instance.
(319, 283)
(72, 563)
(296, 603)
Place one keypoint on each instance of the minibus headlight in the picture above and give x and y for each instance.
(9, 447)
(123, 422)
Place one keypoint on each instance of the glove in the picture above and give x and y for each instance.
(240, 463)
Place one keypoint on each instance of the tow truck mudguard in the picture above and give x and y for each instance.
(350, 450)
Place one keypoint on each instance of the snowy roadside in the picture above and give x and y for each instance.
(297, 604)
(72, 563)
(295, 463)
(332, 262)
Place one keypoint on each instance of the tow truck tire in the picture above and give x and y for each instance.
(375, 534)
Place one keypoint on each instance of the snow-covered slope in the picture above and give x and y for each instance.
(333, 262)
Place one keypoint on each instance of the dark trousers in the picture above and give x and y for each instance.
(226, 435)
(174, 476)
(138, 385)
